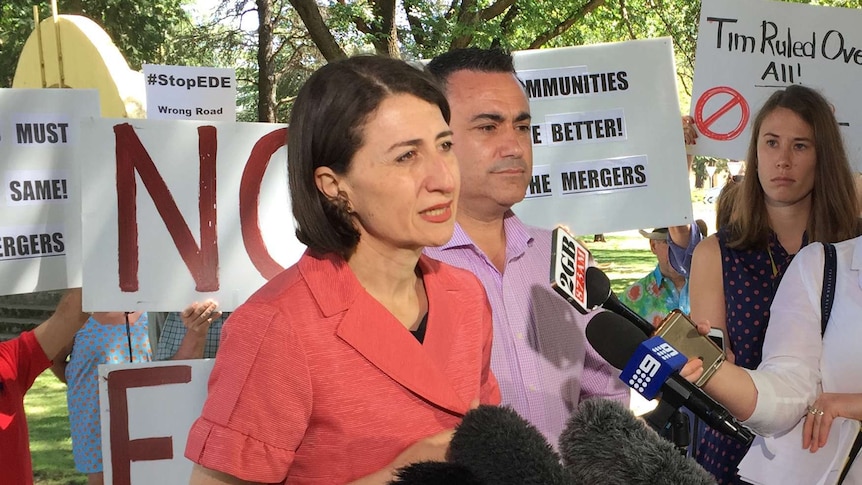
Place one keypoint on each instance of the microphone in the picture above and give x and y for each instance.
(434, 473)
(617, 341)
(651, 365)
(599, 284)
(676, 328)
(492, 445)
(605, 443)
(569, 260)
(602, 443)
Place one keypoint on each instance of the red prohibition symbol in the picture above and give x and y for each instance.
(736, 99)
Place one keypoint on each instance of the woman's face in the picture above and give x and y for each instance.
(402, 184)
(786, 158)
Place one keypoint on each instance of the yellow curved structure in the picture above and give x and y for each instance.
(90, 60)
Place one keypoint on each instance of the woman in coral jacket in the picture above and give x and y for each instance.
(363, 356)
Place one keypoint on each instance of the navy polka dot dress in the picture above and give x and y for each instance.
(751, 278)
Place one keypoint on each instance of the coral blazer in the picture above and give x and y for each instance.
(316, 382)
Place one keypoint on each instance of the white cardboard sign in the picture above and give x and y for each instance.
(608, 149)
(39, 129)
(146, 412)
(190, 93)
(747, 49)
(181, 211)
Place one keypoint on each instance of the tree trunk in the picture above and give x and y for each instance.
(385, 32)
(317, 29)
(265, 63)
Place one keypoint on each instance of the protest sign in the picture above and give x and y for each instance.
(146, 412)
(39, 129)
(180, 211)
(190, 93)
(747, 49)
(608, 148)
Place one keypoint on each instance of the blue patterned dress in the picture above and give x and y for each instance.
(96, 344)
(751, 278)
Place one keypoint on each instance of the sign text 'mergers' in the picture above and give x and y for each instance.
(30, 243)
(589, 176)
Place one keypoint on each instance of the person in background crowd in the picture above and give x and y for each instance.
(724, 203)
(803, 379)
(540, 356)
(655, 295)
(155, 323)
(106, 338)
(664, 289)
(194, 333)
(683, 239)
(362, 357)
(22, 359)
(798, 188)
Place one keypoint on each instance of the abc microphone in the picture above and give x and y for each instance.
(650, 366)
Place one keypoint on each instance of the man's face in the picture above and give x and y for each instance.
(661, 250)
(491, 139)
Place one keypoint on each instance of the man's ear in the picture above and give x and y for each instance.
(327, 182)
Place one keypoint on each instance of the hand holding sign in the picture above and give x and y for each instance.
(198, 317)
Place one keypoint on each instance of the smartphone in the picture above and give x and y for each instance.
(681, 333)
(717, 336)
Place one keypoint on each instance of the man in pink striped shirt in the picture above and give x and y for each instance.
(540, 355)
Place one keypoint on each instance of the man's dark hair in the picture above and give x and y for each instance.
(470, 59)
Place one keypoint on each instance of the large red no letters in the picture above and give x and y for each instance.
(201, 261)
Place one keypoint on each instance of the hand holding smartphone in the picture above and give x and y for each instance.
(717, 336)
(682, 334)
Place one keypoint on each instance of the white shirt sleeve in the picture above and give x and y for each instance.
(788, 378)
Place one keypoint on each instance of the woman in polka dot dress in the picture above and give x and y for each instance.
(798, 188)
(102, 340)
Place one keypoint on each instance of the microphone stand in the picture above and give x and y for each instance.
(670, 424)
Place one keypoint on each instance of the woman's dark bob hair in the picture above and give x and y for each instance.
(326, 130)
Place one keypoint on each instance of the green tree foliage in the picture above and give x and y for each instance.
(267, 43)
(144, 30)
(424, 28)
(276, 44)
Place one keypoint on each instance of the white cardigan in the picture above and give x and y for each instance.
(797, 363)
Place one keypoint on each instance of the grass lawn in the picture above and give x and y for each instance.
(50, 443)
(625, 257)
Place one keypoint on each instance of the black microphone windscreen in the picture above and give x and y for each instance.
(604, 443)
(599, 293)
(501, 447)
(598, 287)
(435, 473)
(614, 338)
